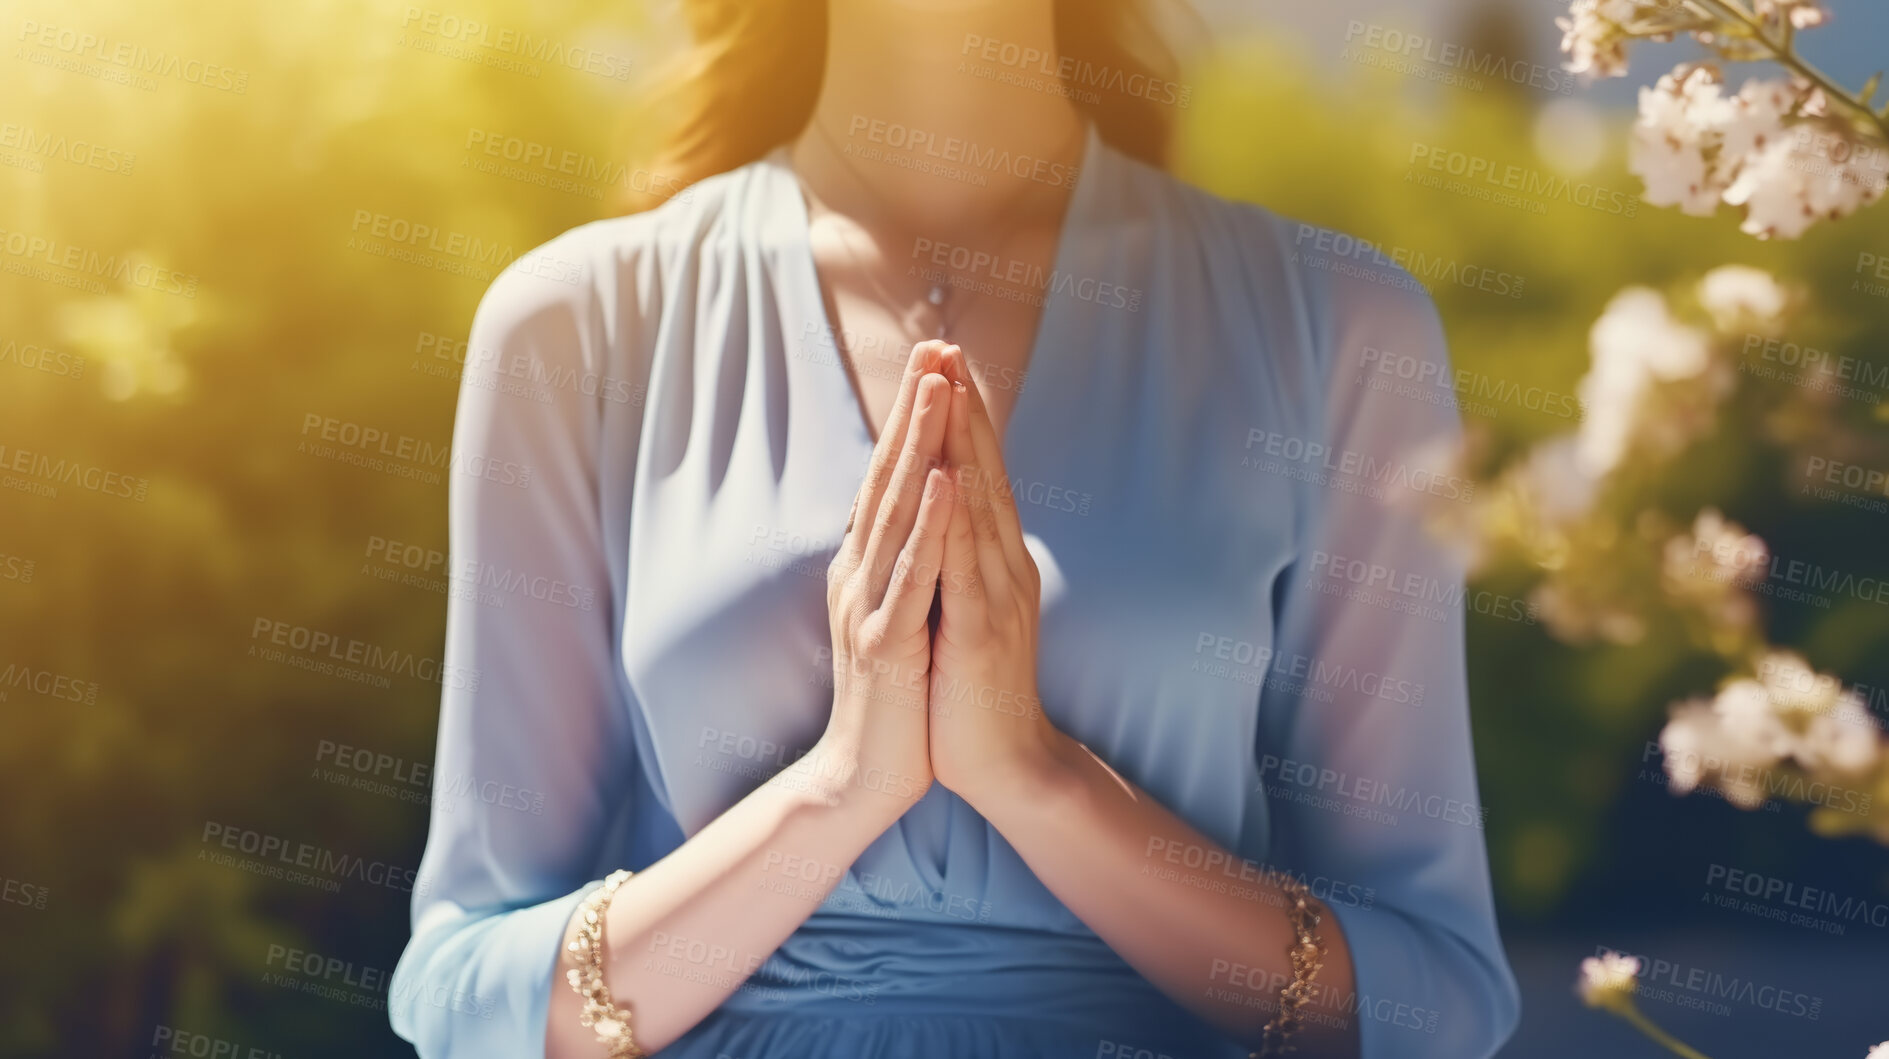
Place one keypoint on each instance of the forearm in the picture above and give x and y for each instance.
(1103, 845)
(682, 935)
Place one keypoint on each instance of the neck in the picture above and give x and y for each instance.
(900, 86)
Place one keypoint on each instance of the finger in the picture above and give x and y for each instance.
(963, 584)
(990, 455)
(915, 579)
(925, 358)
(972, 479)
(898, 509)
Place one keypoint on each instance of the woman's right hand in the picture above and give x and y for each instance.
(879, 591)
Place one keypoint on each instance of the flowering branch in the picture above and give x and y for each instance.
(1656, 386)
(1608, 982)
(1696, 148)
(1663, 369)
(1651, 1029)
(1784, 53)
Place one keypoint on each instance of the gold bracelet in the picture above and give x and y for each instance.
(612, 1023)
(1307, 957)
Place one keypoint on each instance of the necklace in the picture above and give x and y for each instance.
(939, 295)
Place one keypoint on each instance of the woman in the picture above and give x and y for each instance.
(1023, 693)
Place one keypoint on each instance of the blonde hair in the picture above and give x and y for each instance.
(750, 80)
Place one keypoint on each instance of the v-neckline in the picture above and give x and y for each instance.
(1074, 215)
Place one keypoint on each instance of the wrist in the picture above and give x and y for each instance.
(839, 773)
(1035, 774)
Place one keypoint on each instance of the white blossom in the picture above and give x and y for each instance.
(1711, 567)
(1740, 297)
(1687, 744)
(1785, 188)
(1700, 747)
(1737, 556)
(1801, 14)
(1635, 343)
(1552, 477)
(1695, 147)
(1673, 146)
(1609, 980)
(1775, 193)
(1789, 715)
(1795, 688)
(1594, 36)
(1751, 724)
(1843, 739)
(1753, 119)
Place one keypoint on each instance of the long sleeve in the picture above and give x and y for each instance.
(1364, 744)
(535, 756)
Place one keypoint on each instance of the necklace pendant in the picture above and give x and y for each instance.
(936, 295)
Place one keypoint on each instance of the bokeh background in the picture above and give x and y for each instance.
(191, 276)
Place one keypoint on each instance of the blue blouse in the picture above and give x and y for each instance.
(1223, 448)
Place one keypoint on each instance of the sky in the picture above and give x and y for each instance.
(1853, 45)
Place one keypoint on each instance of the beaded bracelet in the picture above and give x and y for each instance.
(1307, 957)
(612, 1023)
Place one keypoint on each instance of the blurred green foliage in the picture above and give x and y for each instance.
(356, 106)
(1562, 731)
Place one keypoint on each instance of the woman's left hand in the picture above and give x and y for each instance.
(988, 728)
